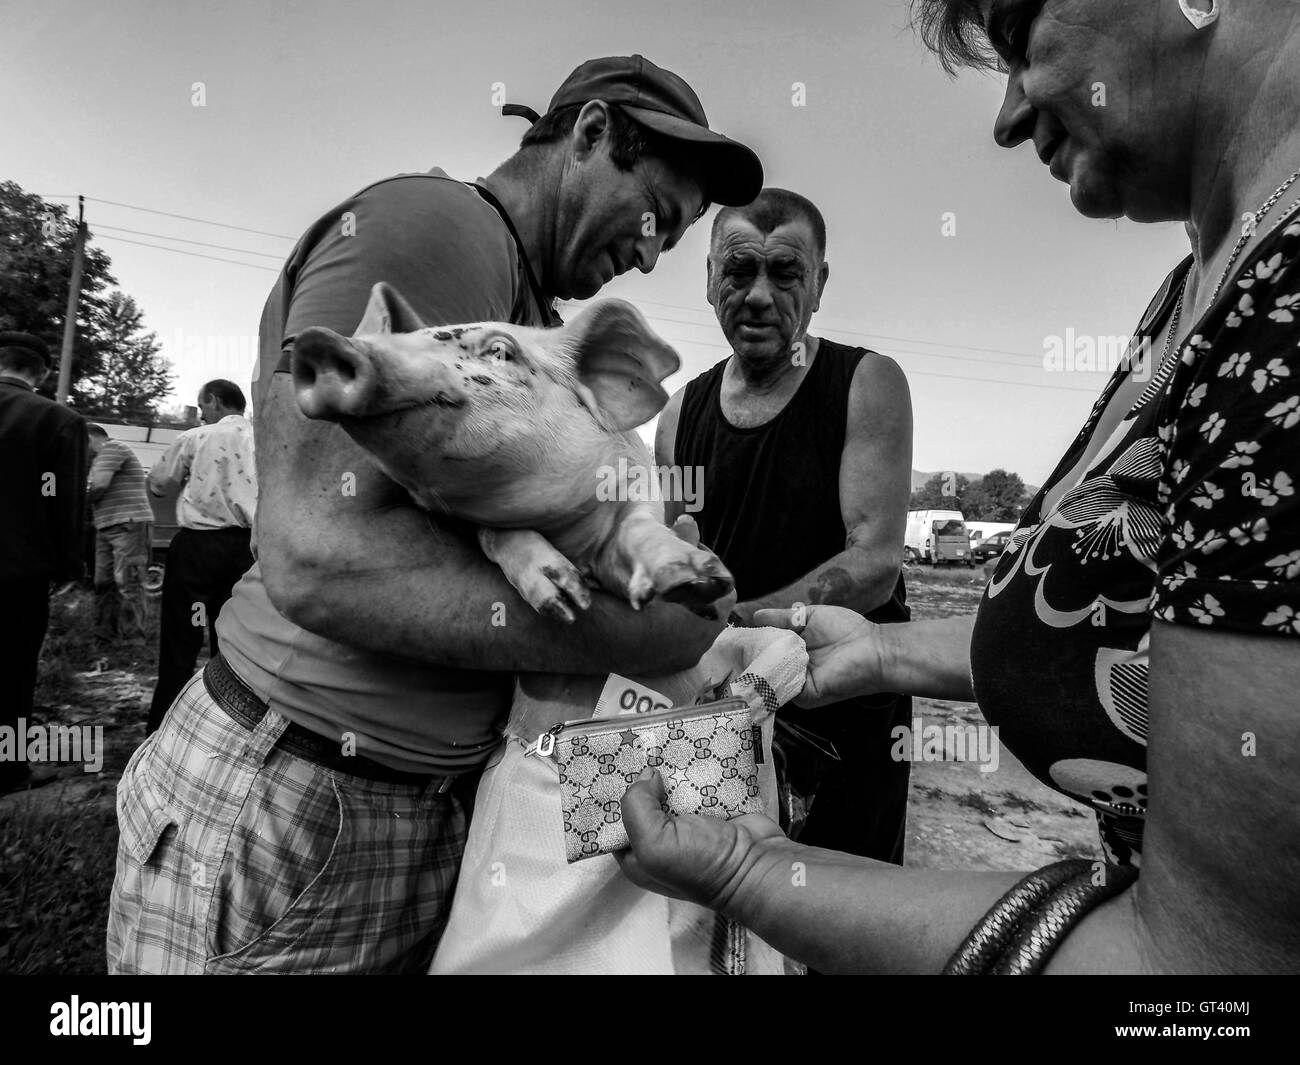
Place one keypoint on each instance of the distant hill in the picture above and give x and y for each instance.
(919, 477)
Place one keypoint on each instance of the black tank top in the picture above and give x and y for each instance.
(771, 501)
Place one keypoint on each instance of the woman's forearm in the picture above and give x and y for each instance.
(839, 913)
(930, 659)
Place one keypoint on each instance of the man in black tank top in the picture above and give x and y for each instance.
(805, 447)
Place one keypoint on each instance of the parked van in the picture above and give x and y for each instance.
(937, 536)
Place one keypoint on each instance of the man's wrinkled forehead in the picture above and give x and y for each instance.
(740, 238)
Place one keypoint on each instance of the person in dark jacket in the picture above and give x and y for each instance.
(42, 500)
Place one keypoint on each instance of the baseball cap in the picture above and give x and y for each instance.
(11, 338)
(660, 100)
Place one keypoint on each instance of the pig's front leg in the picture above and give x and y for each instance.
(548, 581)
(644, 559)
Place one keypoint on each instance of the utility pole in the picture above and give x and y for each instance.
(74, 297)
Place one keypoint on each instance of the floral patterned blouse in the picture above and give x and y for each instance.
(1187, 512)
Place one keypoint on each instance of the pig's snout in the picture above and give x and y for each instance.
(332, 378)
(337, 378)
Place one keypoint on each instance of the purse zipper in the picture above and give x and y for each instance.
(545, 743)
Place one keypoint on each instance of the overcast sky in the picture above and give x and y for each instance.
(307, 102)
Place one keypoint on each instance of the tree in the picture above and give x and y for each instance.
(36, 242)
(998, 496)
(132, 378)
(115, 366)
(943, 491)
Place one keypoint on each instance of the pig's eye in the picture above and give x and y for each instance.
(500, 351)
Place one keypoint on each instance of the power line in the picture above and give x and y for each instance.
(905, 351)
(193, 254)
(184, 217)
(654, 303)
(925, 373)
(999, 381)
(940, 344)
(654, 319)
(182, 240)
(966, 359)
(848, 332)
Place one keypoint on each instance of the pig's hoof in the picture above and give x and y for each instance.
(556, 591)
(557, 610)
(699, 592)
(695, 580)
(640, 588)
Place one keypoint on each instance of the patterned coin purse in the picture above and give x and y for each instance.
(706, 754)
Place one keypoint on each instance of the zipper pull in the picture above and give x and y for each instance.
(545, 744)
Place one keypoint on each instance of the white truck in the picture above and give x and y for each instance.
(982, 530)
(937, 536)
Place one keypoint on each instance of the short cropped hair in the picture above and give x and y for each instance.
(95, 429)
(227, 393)
(954, 31)
(629, 141)
(771, 209)
(22, 361)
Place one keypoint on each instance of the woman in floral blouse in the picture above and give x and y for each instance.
(1139, 643)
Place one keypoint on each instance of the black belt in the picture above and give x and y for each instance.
(238, 700)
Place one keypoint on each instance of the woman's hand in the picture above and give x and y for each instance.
(700, 859)
(844, 656)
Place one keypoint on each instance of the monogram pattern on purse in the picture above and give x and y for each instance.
(707, 764)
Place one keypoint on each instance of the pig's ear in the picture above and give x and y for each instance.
(619, 362)
(388, 312)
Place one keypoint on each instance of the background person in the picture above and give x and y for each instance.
(123, 535)
(806, 449)
(366, 618)
(214, 466)
(42, 511)
(1137, 645)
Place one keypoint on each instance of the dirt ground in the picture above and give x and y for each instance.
(58, 841)
(960, 817)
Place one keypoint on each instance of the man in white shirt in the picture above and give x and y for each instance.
(214, 466)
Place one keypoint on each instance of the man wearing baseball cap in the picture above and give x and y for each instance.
(320, 771)
(659, 101)
(42, 496)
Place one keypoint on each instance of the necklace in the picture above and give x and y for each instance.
(1247, 232)
(1174, 323)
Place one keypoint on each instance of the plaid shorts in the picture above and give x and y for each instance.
(235, 857)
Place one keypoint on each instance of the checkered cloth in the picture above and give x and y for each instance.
(776, 665)
(235, 857)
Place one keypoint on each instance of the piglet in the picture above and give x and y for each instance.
(513, 429)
